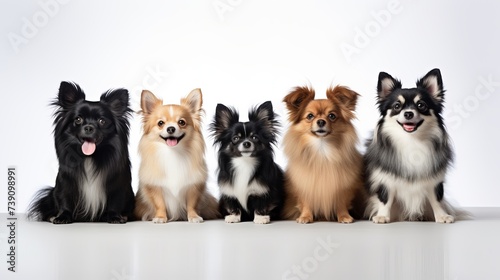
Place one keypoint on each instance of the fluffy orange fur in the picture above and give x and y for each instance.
(172, 178)
(324, 172)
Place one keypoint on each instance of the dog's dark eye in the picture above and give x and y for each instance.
(254, 137)
(161, 123)
(332, 116)
(396, 106)
(78, 120)
(422, 106)
(310, 117)
(182, 123)
(102, 121)
(236, 138)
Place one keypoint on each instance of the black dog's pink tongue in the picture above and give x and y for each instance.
(409, 127)
(88, 148)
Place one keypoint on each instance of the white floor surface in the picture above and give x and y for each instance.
(281, 250)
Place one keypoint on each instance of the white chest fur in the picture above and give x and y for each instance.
(175, 170)
(242, 188)
(179, 171)
(93, 196)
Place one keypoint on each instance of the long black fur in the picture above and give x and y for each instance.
(110, 161)
(263, 126)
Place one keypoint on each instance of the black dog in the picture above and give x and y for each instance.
(94, 179)
(251, 183)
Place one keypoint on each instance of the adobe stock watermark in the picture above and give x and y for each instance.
(363, 36)
(121, 275)
(222, 7)
(154, 77)
(31, 26)
(483, 91)
(309, 265)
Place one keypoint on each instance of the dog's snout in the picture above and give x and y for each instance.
(321, 123)
(409, 115)
(88, 129)
(247, 144)
(170, 130)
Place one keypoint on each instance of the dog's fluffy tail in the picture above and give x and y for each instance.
(208, 207)
(42, 207)
(458, 213)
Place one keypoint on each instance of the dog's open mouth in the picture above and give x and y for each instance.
(410, 127)
(88, 146)
(321, 132)
(172, 141)
(246, 152)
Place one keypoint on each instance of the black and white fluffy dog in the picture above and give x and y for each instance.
(407, 159)
(91, 141)
(251, 183)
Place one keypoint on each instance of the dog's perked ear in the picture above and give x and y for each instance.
(386, 85)
(262, 113)
(225, 117)
(296, 100)
(343, 95)
(69, 95)
(194, 101)
(149, 102)
(433, 84)
(346, 97)
(117, 100)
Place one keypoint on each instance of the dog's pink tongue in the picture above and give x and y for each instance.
(171, 142)
(409, 127)
(88, 148)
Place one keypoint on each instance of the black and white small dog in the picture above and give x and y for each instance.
(91, 141)
(251, 183)
(407, 159)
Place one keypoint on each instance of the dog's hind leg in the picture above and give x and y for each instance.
(192, 198)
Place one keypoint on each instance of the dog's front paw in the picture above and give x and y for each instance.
(195, 219)
(445, 219)
(160, 220)
(258, 219)
(304, 219)
(117, 219)
(232, 218)
(347, 219)
(61, 219)
(381, 219)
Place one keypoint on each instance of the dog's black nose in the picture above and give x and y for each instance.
(408, 115)
(88, 129)
(170, 130)
(321, 123)
(247, 144)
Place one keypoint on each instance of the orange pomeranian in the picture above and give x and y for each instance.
(324, 173)
(173, 172)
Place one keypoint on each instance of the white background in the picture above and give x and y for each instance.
(242, 53)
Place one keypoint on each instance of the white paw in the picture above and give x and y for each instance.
(160, 220)
(196, 219)
(445, 219)
(258, 219)
(233, 219)
(381, 219)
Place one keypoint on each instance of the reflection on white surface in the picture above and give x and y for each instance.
(281, 250)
